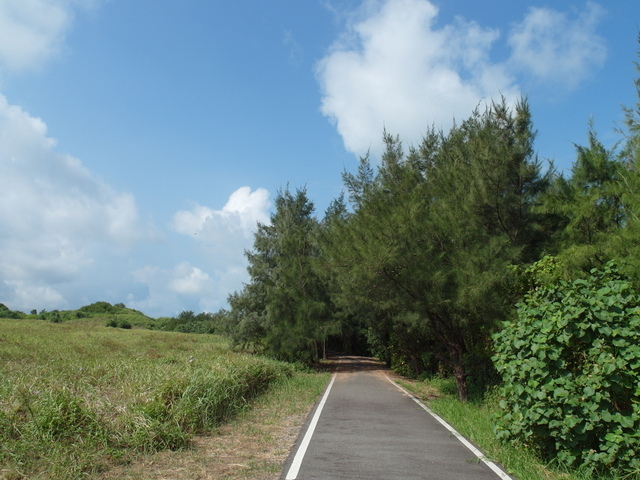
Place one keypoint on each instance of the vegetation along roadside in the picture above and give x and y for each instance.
(78, 399)
(466, 257)
(476, 421)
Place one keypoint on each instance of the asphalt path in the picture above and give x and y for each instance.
(366, 428)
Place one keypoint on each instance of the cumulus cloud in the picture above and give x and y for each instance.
(556, 48)
(66, 237)
(234, 223)
(54, 215)
(33, 31)
(220, 237)
(224, 234)
(395, 68)
(190, 280)
(187, 287)
(31, 295)
(170, 289)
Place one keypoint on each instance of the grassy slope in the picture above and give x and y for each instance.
(253, 446)
(77, 398)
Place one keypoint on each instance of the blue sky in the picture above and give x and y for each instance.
(141, 141)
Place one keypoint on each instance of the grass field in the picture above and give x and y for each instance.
(78, 399)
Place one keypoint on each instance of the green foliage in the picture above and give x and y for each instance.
(588, 208)
(189, 322)
(118, 323)
(100, 307)
(199, 404)
(69, 413)
(54, 316)
(61, 416)
(284, 310)
(423, 257)
(6, 313)
(570, 363)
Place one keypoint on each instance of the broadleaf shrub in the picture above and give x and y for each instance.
(570, 365)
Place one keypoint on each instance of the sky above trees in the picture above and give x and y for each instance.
(141, 142)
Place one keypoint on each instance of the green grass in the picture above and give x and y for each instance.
(474, 420)
(78, 397)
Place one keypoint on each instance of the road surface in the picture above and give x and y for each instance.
(367, 428)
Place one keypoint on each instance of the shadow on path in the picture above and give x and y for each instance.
(348, 363)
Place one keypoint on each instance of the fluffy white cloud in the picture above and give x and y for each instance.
(234, 223)
(221, 237)
(170, 290)
(553, 47)
(33, 31)
(186, 287)
(190, 280)
(27, 296)
(394, 68)
(55, 217)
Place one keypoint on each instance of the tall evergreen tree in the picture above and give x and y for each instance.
(285, 306)
(432, 232)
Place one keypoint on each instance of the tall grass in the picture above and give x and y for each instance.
(77, 397)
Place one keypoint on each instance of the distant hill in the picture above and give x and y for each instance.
(120, 316)
(6, 313)
(112, 315)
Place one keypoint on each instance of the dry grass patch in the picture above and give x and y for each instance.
(80, 400)
(252, 447)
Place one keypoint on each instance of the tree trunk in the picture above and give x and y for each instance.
(461, 382)
(453, 339)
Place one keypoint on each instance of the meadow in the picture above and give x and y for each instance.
(78, 398)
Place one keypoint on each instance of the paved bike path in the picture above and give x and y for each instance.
(369, 429)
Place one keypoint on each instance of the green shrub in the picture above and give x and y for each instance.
(60, 416)
(151, 435)
(118, 323)
(570, 363)
(100, 307)
(206, 398)
(6, 313)
(446, 386)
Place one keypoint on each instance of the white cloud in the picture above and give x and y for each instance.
(395, 68)
(186, 287)
(33, 31)
(190, 280)
(234, 222)
(25, 295)
(558, 49)
(55, 217)
(221, 236)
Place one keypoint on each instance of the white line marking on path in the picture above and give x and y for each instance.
(302, 449)
(496, 469)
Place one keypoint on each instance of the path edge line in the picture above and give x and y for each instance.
(493, 466)
(294, 469)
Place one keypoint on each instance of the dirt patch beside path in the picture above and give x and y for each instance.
(252, 447)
